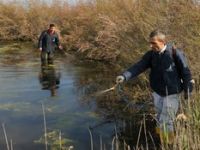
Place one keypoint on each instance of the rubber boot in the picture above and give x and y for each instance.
(171, 137)
(167, 139)
(157, 129)
(160, 134)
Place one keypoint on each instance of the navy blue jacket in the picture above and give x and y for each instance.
(169, 72)
(48, 42)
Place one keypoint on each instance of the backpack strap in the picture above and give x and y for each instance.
(174, 52)
(174, 57)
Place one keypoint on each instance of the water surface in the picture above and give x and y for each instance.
(63, 89)
(23, 91)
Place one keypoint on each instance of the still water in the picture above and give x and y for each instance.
(62, 88)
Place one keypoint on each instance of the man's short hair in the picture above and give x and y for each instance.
(158, 33)
(51, 25)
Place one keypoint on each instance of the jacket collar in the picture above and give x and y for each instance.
(162, 50)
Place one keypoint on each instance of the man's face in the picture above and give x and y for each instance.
(52, 29)
(156, 44)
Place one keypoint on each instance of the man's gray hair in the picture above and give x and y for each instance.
(157, 33)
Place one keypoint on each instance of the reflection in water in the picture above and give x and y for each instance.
(49, 78)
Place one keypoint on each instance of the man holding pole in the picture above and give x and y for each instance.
(169, 75)
(48, 41)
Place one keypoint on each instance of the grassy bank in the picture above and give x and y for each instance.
(109, 30)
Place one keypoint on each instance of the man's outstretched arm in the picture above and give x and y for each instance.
(136, 69)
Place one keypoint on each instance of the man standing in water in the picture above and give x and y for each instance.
(48, 41)
(169, 75)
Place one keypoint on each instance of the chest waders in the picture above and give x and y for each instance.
(47, 57)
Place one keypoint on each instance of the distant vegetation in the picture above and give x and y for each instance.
(115, 31)
(108, 30)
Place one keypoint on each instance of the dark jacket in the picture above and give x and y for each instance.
(169, 72)
(48, 42)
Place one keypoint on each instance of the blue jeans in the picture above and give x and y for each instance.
(166, 108)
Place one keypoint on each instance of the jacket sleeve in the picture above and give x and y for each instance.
(138, 67)
(40, 39)
(57, 40)
(184, 71)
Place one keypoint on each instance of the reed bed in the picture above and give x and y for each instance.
(106, 30)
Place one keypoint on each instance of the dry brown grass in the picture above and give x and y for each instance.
(109, 30)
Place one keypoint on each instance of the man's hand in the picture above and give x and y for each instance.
(120, 79)
(40, 49)
(192, 81)
(182, 117)
(188, 94)
(60, 47)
